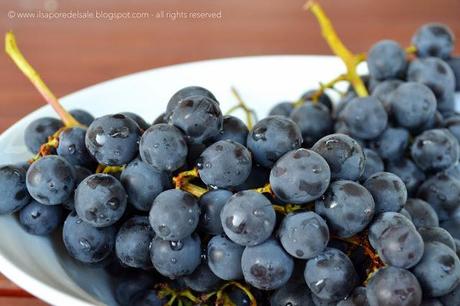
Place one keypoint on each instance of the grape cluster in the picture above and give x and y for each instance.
(351, 203)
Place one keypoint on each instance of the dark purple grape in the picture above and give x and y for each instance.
(224, 164)
(266, 266)
(100, 200)
(408, 172)
(347, 207)
(432, 234)
(343, 154)
(384, 91)
(330, 275)
(163, 147)
(439, 270)
(233, 129)
(300, 176)
(314, 121)
(391, 144)
(372, 165)
(38, 131)
(72, 147)
(202, 279)
(282, 109)
(13, 189)
(386, 60)
(271, 138)
(184, 93)
(174, 214)
(51, 180)
(323, 98)
(292, 294)
(248, 218)
(211, 204)
(388, 191)
(454, 63)
(199, 117)
(224, 258)
(422, 213)
(434, 39)
(113, 140)
(358, 297)
(82, 116)
(303, 235)
(394, 286)
(143, 125)
(39, 219)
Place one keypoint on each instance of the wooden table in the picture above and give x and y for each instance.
(74, 53)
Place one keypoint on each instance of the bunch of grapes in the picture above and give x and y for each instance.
(320, 203)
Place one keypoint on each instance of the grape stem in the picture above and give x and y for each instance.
(322, 88)
(411, 49)
(242, 105)
(166, 291)
(182, 181)
(330, 35)
(18, 58)
(109, 169)
(221, 297)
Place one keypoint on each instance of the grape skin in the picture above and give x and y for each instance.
(372, 165)
(176, 258)
(300, 176)
(248, 218)
(39, 219)
(384, 91)
(224, 258)
(330, 275)
(303, 235)
(292, 294)
(432, 234)
(358, 297)
(433, 39)
(184, 93)
(391, 144)
(282, 109)
(82, 116)
(51, 180)
(224, 164)
(38, 131)
(421, 212)
(347, 206)
(202, 279)
(439, 270)
(72, 147)
(211, 204)
(272, 137)
(143, 125)
(343, 154)
(100, 200)
(388, 191)
(394, 286)
(386, 60)
(174, 214)
(408, 172)
(233, 129)
(113, 139)
(163, 147)
(266, 266)
(13, 189)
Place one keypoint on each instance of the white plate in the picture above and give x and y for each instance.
(40, 265)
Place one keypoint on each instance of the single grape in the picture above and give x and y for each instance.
(72, 147)
(176, 258)
(163, 147)
(394, 286)
(51, 180)
(314, 121)
(323, 98)
(384, 221)
(113, 139)
(143, 183)
(202, 279)
(224, 258)
(384, 91)
(372, 165)
(343, 154)
(211, 204)
(199, 117)
(330, 275)
(160, 119)
(185, 93)
(100, 200)
(38, 131)
(438, 76)
(434, 39)
(432, 234)
(82, 116)
(86, 243)
(388, 191)
(408, 172)
(282, 109)
(266, 266)
(365, 117)
(347, 207)
(386, 60)
(422, 213)
(292, 294)
(174, 214)
(39, 219)
(443, 193)
(224, 164)
(233, 129)
(143, 125)
(13, 189)
(439, 270)
(358, 297)
(133, 242)
(132, 284)
(248, 218)
(300, 176)
(303, 235)
(391, 144)
(454, 63)
(271, 138)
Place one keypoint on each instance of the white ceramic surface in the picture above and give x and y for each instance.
(40, 265)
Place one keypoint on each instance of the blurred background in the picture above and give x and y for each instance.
(74, 44)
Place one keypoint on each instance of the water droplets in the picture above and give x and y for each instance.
(113, 203)
(72, 149)
(84, 243)
(164, 230)
(176, 245)
(258, 212)
(35, 214)
(318, 286)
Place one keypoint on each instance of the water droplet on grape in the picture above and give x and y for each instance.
(113, 203)
(164, 230)
(85, 244)
(176, 245)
